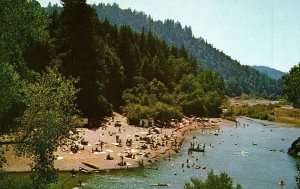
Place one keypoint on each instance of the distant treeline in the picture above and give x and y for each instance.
(271, 72)
(238, 79)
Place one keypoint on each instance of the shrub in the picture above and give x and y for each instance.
(222, 181)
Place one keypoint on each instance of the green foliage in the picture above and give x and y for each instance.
(135, 112)
(9, 97)
(39, 102)
(82, 56)
(139, 65)
(222, 181)
(114, 75)
(297, 178)
(150, 100)
(238, 78)
(22, 22)
(271, 72)
(292, 85)
(166, 112)
(201, 95)
(7, 182)
(259, 111)
(47, 120)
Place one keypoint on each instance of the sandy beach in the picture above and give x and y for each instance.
(137, 146)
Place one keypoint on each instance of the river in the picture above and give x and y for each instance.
(253, 154)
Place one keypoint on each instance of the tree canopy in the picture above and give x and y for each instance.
(291, 85)
(37, 110)
(213, 181)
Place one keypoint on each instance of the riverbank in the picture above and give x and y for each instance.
(134, 145)
(276, 112)
(266, 122)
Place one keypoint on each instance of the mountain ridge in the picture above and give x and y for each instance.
(271, 72)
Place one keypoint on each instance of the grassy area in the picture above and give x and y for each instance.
(65, 181)
(269, 112)
(22, 181)
(290, 116)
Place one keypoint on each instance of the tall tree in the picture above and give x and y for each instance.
(126, 52)
(114, 78)
(292, 85)
(36, 110)
(21, 22)
(79, 49)
(49, 116)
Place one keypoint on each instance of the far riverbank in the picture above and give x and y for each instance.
(267, 111)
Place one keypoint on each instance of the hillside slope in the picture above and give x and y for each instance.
(271, 72)
(238, 78)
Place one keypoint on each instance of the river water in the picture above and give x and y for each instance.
(253, 154)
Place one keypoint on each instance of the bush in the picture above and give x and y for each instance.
(158, 111)
(222, 181)
(271, 118)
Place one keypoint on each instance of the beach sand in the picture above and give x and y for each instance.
(171, 138)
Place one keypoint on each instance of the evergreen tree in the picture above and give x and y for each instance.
(126, 52)
(292, 85)
(79, 50)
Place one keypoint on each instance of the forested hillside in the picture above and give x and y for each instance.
(271, 72)
(117, 67)
(238, 78)
(58, 67)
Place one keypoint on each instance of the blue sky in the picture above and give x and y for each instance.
(254, 32)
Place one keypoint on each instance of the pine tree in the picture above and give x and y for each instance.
(79, 50)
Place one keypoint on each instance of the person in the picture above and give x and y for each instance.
(281, 183)
(73, 173)
(141, 163)
(80, 182)
(101, 145)
(122, 163)
(108, 157)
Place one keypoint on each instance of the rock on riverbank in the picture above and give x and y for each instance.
(294, 150)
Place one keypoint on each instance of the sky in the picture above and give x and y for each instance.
(254, 32)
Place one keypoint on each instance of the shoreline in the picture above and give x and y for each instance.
(165, 145)
(266, 122)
